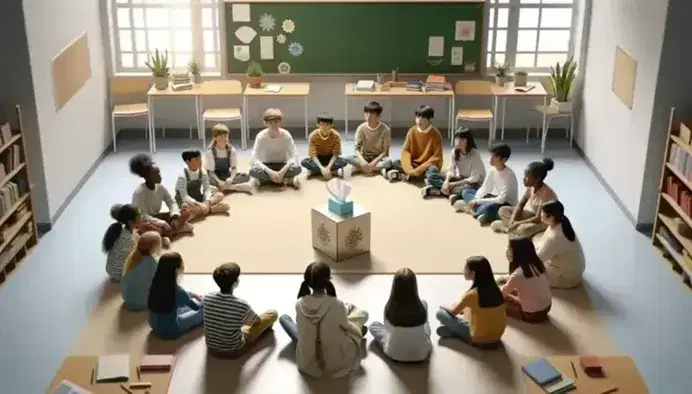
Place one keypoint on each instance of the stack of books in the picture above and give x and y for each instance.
(181, 81)
(681, 194)
(365, 86)
(9, 194)
(436, 83)
(414, 86)
(547, 377)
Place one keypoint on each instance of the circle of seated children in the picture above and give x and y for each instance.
(328, 332)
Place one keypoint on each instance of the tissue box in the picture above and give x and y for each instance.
(340, 237)
(342, 208)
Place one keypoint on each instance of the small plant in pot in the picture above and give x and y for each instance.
(561, 80)
(520, 78)
(158, 64)
(255, 75)
(502, 72)
(194, 69)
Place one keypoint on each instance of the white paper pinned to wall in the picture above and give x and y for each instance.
(241, 52)
(267, 47)
(436, 46)
(457, 58)
(240, 12)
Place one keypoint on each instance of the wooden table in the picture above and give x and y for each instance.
(288, 90)
(198, 91)
(78, 370)
(621, 372)
(399, 92)
(509, 91)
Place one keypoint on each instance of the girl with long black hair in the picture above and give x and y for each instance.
(173, 311)
(483, 306)
(327, 332)
(405, 334)
(526, 290)
(560, 249)
(120, 238)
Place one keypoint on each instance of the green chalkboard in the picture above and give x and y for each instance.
(355, 38)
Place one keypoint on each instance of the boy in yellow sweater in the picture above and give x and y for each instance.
(324, 150)
(422, 151)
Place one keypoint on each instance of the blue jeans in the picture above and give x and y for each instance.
(489, 211)
(290, 327)
(396, 165)
(458, 326)
(261, 175)
(437, 180)
(309, 164)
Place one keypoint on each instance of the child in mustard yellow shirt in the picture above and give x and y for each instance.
(483, 307)
(422, 151)
(324, 150)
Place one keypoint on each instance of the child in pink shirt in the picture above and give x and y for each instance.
(526, 291)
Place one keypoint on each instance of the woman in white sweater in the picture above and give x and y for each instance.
(560, 249)
(327, 332)
(405, 334)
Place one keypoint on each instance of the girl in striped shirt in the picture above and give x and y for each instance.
(119, 239)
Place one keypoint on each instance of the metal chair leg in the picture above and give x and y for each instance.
(113, 131)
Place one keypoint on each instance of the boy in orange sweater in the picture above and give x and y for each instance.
(422, 151)
(324, 150)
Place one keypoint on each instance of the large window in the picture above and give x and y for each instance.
(533, 34)
(187, 29)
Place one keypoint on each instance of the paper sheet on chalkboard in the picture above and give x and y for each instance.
(241, 52)
(457, 58)
(240, 12)
(465, 31)
(267, 47)
(436, 46)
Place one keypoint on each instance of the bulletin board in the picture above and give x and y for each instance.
(355, 37)
(71, 70)
(624, 76)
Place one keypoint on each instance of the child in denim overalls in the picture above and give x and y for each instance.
(221, 164)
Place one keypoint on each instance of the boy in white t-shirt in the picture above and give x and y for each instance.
(498, 189)
(274, 159)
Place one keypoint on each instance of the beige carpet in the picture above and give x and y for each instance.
(270, 232)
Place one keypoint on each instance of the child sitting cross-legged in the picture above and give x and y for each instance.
(405, 334)
(230, 324)
(526, 290)
(324, 150)
(465, 174)
(221, 163)
(327, 332)
(193, 188)
(499, 188)
(140, 267)
(372, 142)
(148, 198)
(482, 305)
(422, 151)
(274, 159)
(120, 238)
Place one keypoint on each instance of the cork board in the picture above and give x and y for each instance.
(624, 76)
(71, 70)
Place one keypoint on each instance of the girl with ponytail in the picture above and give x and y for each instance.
(327, 332)
(120, 238)
(140, 267)
(560, 249)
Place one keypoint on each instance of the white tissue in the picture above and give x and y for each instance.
(339, 189)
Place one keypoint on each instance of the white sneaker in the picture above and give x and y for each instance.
(242, 187)
(254, 182)
(346, 172)
(393, 175)
(461, 206)
(296, 182)
(497, 226)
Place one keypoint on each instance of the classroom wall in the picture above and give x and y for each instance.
(74, 138)
(614, 138)
(16, 88)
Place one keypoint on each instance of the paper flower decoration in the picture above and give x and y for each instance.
(339, 189)
(284, 68)
(267, 22)
(295, 49)
(470, 67)
(281, 39)
(288, 26)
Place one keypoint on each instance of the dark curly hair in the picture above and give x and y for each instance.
(141, 164)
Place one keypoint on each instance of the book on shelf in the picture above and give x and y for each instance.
(5, 133)
(678, 192)
(9, 194)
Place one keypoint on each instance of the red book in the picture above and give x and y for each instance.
(592, 366)
(156, 362)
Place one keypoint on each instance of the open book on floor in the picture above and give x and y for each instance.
(113, 368)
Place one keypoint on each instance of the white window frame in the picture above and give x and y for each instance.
(196, 28)
(513, 7)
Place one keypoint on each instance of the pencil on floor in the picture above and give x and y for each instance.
(574, 369)
(92, 376)
(125, 389)
(139, 376)
(614, 389)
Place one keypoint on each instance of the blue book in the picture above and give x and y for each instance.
(541, 372)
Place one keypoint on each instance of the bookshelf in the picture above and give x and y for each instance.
(18, 234)
(673, 223)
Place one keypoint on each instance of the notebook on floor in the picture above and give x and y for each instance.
(156, 362)
(67, 387)
(561, 386)
(541, 372)
(113, 368)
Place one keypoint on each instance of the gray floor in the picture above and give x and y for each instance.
(46, 303)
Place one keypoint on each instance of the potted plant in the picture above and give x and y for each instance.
(194, 69)
(501, 72)
(158, 64)
(561, 80)
(255, 75)
(520, 78)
